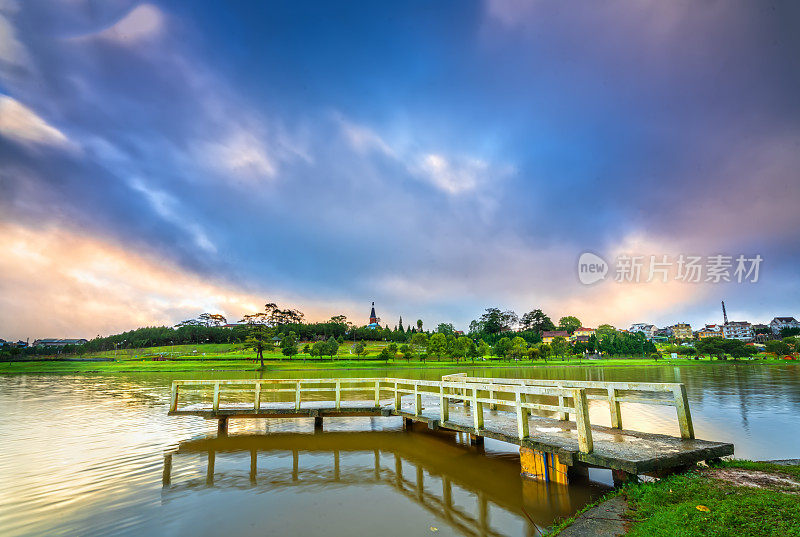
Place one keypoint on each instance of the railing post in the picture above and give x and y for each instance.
(492, 406)
(444, 405)
(297, 391)
(584, 427)
(417, 401)
(397, 398)
(257, 401)
(684, 415)
(173, 398)
(477, 412)
(522, 416)
(216, 396)
(616, 413)
(338, 395)
(377, 393)
(562, 402)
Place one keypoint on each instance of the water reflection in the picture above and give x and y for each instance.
(465, 489)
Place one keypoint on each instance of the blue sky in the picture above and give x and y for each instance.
(162, 159)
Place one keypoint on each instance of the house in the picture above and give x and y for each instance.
(741, 330)
(549, 335)
(779, 323)
(710, 330)
(583, 332)
(231, 326)
(682, 331)
(58, 342)
(648, 330)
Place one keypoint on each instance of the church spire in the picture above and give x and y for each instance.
(373, 319)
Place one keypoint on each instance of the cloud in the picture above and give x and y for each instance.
(453, 177)
(167, 208)
(243, 154)
(93, 285)
(20, 123)
(142, 23)
(13, 53)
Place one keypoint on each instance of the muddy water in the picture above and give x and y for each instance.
(97, 455)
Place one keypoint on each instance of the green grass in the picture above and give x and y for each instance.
(668, 507)
(235, 357)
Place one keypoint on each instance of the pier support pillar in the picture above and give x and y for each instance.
(222, 427)
(542, 466)
(408, 424)
(317, 423)
(476, 440)
(621, 477)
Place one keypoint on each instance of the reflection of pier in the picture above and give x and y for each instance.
(552, 448)
(428, 470)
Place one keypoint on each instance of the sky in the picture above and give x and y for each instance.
(163, 159)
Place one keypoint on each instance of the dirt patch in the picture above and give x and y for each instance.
(755, 479)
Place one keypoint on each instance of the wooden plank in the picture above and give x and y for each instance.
(684, 415)
(583, 427)
(616, 413)
(522, 418)
(444, 405)
(257, 397)
(297, 391)
(216, 397)
(173, 398)
(477, 411)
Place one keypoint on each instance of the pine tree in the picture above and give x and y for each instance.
(401, 325)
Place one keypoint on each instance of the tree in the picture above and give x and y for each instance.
(318, 349)
(605, 330)
(419, 325)
(359, 349)
(437, 345)
(472, 349)
(536, 320)
(307, 349)
(259, 338)
(384, 354)
(339, 319)
(400, 325)
(712, 346)
(502, 347)
(545, 350)
(446, 329)
(407, 352)
(419, 340)
(484, 349)
(778, 348)
(569, 323)
(392, 348)
(332, 347)
(212, 319)
(519, 348)
(289, 345)
(559, 346)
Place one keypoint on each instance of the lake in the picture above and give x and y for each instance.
(97, 455)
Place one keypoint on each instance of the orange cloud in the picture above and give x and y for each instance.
(59, 283)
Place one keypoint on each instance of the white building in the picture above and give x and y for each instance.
(647, 329)
(779, 323)
(741, 330)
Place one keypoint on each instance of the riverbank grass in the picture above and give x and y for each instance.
(709, 503)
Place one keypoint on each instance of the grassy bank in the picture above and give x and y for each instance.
(731, 499)
(234, 362)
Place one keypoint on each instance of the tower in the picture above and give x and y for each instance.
(724, 313)
(373, 319)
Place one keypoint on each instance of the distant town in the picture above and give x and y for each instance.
(493, 325)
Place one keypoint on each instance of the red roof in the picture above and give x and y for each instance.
(555, 333)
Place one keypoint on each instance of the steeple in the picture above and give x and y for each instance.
(372, 317)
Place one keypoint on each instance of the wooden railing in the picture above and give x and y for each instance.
(474, 394)
(647, 393)
(521, 396)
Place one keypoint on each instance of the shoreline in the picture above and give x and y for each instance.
(220, 366)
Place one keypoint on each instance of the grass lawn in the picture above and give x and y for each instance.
(696, 504)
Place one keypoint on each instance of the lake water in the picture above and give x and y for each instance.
(97, 455)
